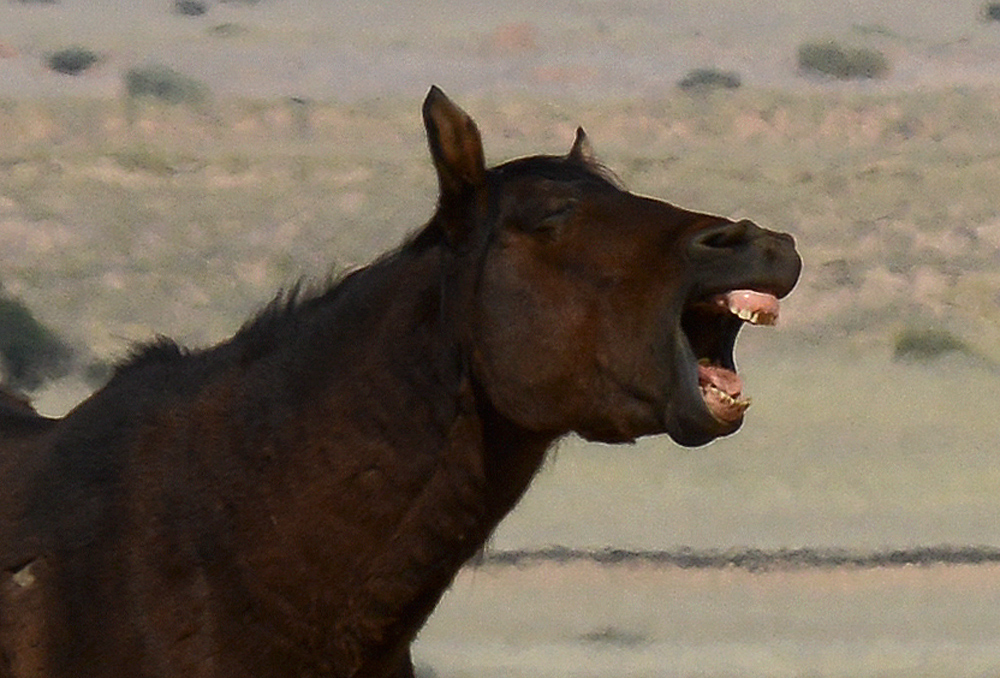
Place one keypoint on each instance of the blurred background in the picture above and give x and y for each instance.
(167, 167)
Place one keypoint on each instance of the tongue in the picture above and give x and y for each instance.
(757, 308)
(725, 380)
(721, 388)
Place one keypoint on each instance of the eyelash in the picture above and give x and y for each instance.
(556, 214)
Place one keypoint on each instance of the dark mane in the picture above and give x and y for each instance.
(161, 350)
(561, 168)
(269, 329)
(276, 325)
(283, 318)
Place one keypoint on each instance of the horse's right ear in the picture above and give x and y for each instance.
(582, 152)
(456, 148)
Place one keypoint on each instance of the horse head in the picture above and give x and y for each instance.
(596, 310)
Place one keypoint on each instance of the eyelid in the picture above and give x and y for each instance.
(559, 210)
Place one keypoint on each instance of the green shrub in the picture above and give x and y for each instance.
(843, 63)
(703, 79)
(167, 85)
(30, 353)
(72, 60)
(927, 344)
(991, 11)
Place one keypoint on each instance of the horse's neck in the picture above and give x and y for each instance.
(461, 467)
(480, 472)
(434, 347)
(406, 368)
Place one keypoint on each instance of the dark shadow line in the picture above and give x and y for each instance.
(750, 559)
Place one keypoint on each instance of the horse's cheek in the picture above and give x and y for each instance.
(530, 343)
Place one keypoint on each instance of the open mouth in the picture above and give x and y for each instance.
(711, 325)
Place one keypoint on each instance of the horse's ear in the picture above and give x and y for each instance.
(582, 151)
(455, 146)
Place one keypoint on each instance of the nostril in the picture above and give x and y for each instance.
(726, 236)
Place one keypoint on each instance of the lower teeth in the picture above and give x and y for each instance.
(728, 399)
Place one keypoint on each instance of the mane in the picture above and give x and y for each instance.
(283, 319)
(161, 350)
(277, 322)
(561, 168)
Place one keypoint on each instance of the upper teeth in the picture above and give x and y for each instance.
(753, 317)
(753, 307)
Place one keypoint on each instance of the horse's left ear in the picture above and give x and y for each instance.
(582, 151)
(456, 146)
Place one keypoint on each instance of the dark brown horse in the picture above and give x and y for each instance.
(15, 408)
(294, 501)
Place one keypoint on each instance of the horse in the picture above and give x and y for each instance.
(14, 407)
(295, 500)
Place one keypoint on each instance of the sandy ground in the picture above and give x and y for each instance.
(597, 621)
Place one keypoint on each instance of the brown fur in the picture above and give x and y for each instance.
(294, 501)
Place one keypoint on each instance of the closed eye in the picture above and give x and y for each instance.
(556, 215)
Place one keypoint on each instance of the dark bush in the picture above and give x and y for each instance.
(30, 353)
(991, 11)
(927, 344)
(190, 7)
(165, 84)
(708, 79)
(72, 60)
(843, 63)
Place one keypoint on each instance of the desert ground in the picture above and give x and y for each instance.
(303, 156)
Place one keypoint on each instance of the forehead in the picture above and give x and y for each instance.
(535, 179)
